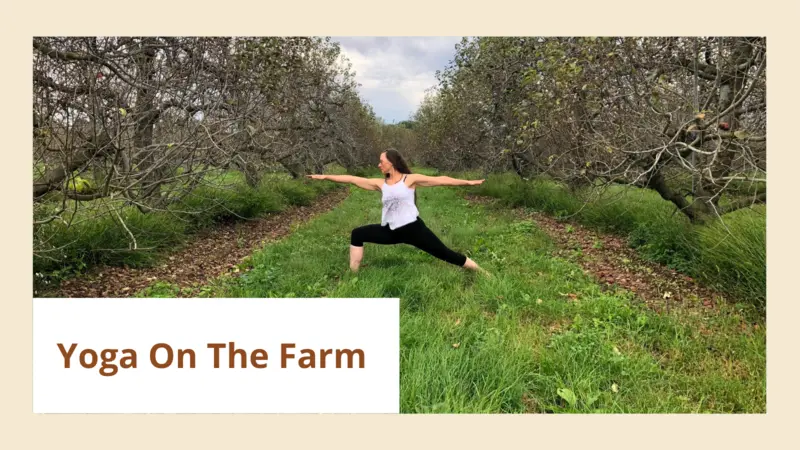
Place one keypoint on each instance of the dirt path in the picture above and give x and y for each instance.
(614, 264)
(212, 253)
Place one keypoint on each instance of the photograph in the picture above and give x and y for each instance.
(572, 224)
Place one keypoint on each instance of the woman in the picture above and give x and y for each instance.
(400, 221)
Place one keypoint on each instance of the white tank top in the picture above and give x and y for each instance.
(398, 205)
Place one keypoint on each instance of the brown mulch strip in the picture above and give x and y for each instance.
(211, 253)
(615, 265)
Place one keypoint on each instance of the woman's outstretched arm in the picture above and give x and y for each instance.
(370, 184)
(427, 181)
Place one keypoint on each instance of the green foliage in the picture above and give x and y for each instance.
(297, 194)
(732, 254)
(80, 185)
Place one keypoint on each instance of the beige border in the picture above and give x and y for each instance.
(731, 17)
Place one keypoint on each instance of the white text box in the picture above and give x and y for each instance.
(356, 339)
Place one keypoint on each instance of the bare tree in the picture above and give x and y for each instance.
(649, 112)
(144, 121)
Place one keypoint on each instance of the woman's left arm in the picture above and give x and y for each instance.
(426, 181)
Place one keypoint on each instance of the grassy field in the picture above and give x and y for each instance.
(516, 342)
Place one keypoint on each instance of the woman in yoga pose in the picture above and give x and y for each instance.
(400, 221)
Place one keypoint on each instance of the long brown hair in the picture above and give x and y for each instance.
(399, 164)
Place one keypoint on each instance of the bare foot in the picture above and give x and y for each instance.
(472, 265)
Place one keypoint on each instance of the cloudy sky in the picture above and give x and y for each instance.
(395, 72)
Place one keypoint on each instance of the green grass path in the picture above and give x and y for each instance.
(516, 342)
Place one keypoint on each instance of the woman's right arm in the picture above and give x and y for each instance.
(369, 184)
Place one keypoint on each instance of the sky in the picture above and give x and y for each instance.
(395, 72)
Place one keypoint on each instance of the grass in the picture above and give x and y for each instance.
(96, 235)
(516, 342)
(729, 255)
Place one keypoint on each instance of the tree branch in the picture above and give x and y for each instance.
(73, 56)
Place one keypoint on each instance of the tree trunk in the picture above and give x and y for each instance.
(145, 115)
(251, 175)
(698, 211)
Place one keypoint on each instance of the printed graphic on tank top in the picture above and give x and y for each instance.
(398, 205)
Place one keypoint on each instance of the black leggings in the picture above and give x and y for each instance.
(415, 233)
